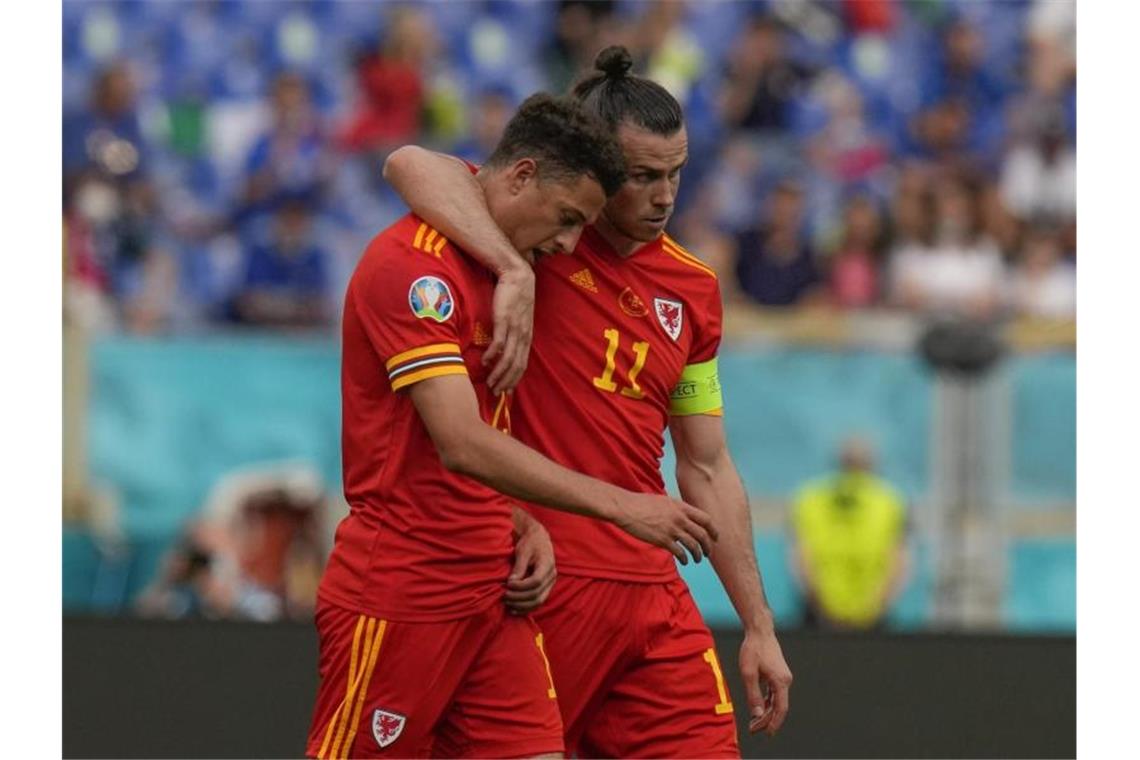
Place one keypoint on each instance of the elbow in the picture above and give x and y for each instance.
(459, 453)
(397, 162)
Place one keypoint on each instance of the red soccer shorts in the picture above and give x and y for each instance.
(636, 671)
(474, 687)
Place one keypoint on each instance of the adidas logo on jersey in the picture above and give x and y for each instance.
(585, 280)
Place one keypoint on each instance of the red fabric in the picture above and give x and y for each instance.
(608, 434)
(631, 665)
(392, 104)
(476, 687)
(854, 280)
(420, 543)
(871, 15)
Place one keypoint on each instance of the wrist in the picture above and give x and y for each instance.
(760, 624)
(510, 264)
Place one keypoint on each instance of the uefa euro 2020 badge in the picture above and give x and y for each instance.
(387, 727)
(430, 298)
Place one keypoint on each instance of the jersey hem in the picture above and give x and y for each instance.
(610, 574)
(397, 615)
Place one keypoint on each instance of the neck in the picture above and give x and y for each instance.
(619, 241)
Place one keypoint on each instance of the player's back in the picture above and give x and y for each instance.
(420, 542)
(612, 337)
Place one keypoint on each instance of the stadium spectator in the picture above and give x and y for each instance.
(286, 279)
(492, 110)
(673, 58)
(960, 272)
(849, 534)
(106, 139)
(291, 159)
(854, 269)
(115, 262)
(846, 150)
(1042, 283)
(1039, 176)
(762, 82)
(581, 28)
(392, 87)
(775, 264)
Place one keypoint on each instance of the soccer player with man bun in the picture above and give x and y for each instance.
(626, 334)
(418, 654)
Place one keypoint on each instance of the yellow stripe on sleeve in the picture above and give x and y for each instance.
(439, 245)
(370, 629)
(364, 688)
(419, 234)
(348, 688)
(416, 353)
(430, 237)
(426, 374)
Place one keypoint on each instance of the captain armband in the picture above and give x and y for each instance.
(698, 390)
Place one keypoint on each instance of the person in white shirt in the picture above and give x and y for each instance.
(1042, 283)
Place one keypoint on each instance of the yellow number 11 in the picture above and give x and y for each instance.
(606, 381)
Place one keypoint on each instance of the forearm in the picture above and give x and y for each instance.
(443, 192)
(509, 467)
(717, 489)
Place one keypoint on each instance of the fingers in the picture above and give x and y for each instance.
(779, 709)
(506, 364)
(757, 702)
(677, 550)
(702, 518)
(692, 545)
(523, 558)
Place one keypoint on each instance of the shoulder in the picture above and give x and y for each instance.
(687, 262)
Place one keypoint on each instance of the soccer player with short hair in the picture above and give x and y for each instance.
(418, 654)
(626, 337)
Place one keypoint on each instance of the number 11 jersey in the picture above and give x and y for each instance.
(620, 345)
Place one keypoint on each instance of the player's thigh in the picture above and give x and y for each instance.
(384, 684)
(673, 702)
(589, 629)
(507, 704)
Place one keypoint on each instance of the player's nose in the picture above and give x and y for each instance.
(565, 241)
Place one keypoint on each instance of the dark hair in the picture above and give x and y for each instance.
(565, 141)
(615, 96)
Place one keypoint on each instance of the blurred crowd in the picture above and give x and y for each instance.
(222, 160)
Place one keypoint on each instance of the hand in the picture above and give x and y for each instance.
(668, 523)
(766, 681)
(514, 327)
(533, 574)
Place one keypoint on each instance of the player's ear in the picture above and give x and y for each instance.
(521, 173)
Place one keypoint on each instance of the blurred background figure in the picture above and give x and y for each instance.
(256, 554)
(776, 263)
(1043, 284)
(286, 283)
(291, 160)
(850, 551)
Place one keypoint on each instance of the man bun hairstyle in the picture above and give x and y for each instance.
(615, 96)
(564, 139)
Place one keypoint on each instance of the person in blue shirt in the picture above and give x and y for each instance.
(286, 280)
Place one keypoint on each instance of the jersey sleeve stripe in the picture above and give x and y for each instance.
(419, 234)
(426, 374)
(420, 363)
(415, 353)
(364, 687)
(687, 259)
(430, 237)
(439, 245)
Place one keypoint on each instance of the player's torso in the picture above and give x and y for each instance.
(417, 533)
(612, 337)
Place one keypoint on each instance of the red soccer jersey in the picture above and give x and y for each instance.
(612, 337)
(420, 544)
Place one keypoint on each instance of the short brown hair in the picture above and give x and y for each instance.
(564, 140)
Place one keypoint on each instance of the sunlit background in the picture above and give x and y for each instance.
(886, 190)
